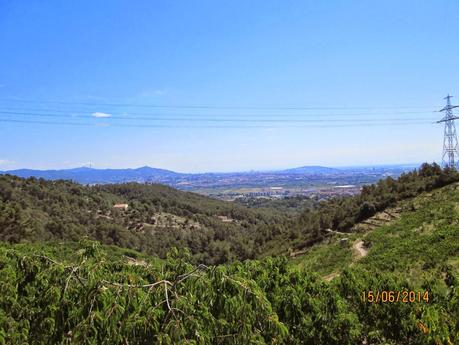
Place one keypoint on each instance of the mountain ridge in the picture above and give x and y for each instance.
(86, 175)
(92, 175)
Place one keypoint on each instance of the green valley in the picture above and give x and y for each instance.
(179, 268)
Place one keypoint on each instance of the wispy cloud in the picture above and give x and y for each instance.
(101, 115)
(2, 85)
(5, 162)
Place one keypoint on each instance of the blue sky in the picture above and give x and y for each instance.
(224, 85)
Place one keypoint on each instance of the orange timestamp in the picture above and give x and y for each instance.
(387, 296)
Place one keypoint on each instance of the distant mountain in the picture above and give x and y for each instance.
(193, 181)
(88, 175)
(312, 169)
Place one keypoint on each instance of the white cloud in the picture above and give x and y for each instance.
(101, 115)
(2, 85)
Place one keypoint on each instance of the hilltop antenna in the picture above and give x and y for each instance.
(450, 156)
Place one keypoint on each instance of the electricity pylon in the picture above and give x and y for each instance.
(450, 156)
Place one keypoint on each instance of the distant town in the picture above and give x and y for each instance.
(315, 182)
(318, 185)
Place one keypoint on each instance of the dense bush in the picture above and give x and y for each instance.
(94, 297)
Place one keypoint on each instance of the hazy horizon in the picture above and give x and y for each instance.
(229, 171)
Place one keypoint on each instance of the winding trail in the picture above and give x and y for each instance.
(360, 251)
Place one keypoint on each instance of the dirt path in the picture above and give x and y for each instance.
(134, 262)
(336, 232)
(359, 249)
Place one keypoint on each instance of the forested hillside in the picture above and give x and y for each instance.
(159, 218)
(403, 289)
(342, 214)
(291, 206)
(419, 239)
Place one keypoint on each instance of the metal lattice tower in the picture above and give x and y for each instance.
(450, 156)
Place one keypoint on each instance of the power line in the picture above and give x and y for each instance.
(202, 126)
(283, 115)
(207, 120)
(210, 106)
(204, 119)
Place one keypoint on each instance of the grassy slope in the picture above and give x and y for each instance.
(425, 238)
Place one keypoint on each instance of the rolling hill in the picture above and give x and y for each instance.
(417, 238)
(157, 217)
(394, 280)
(154, 218)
